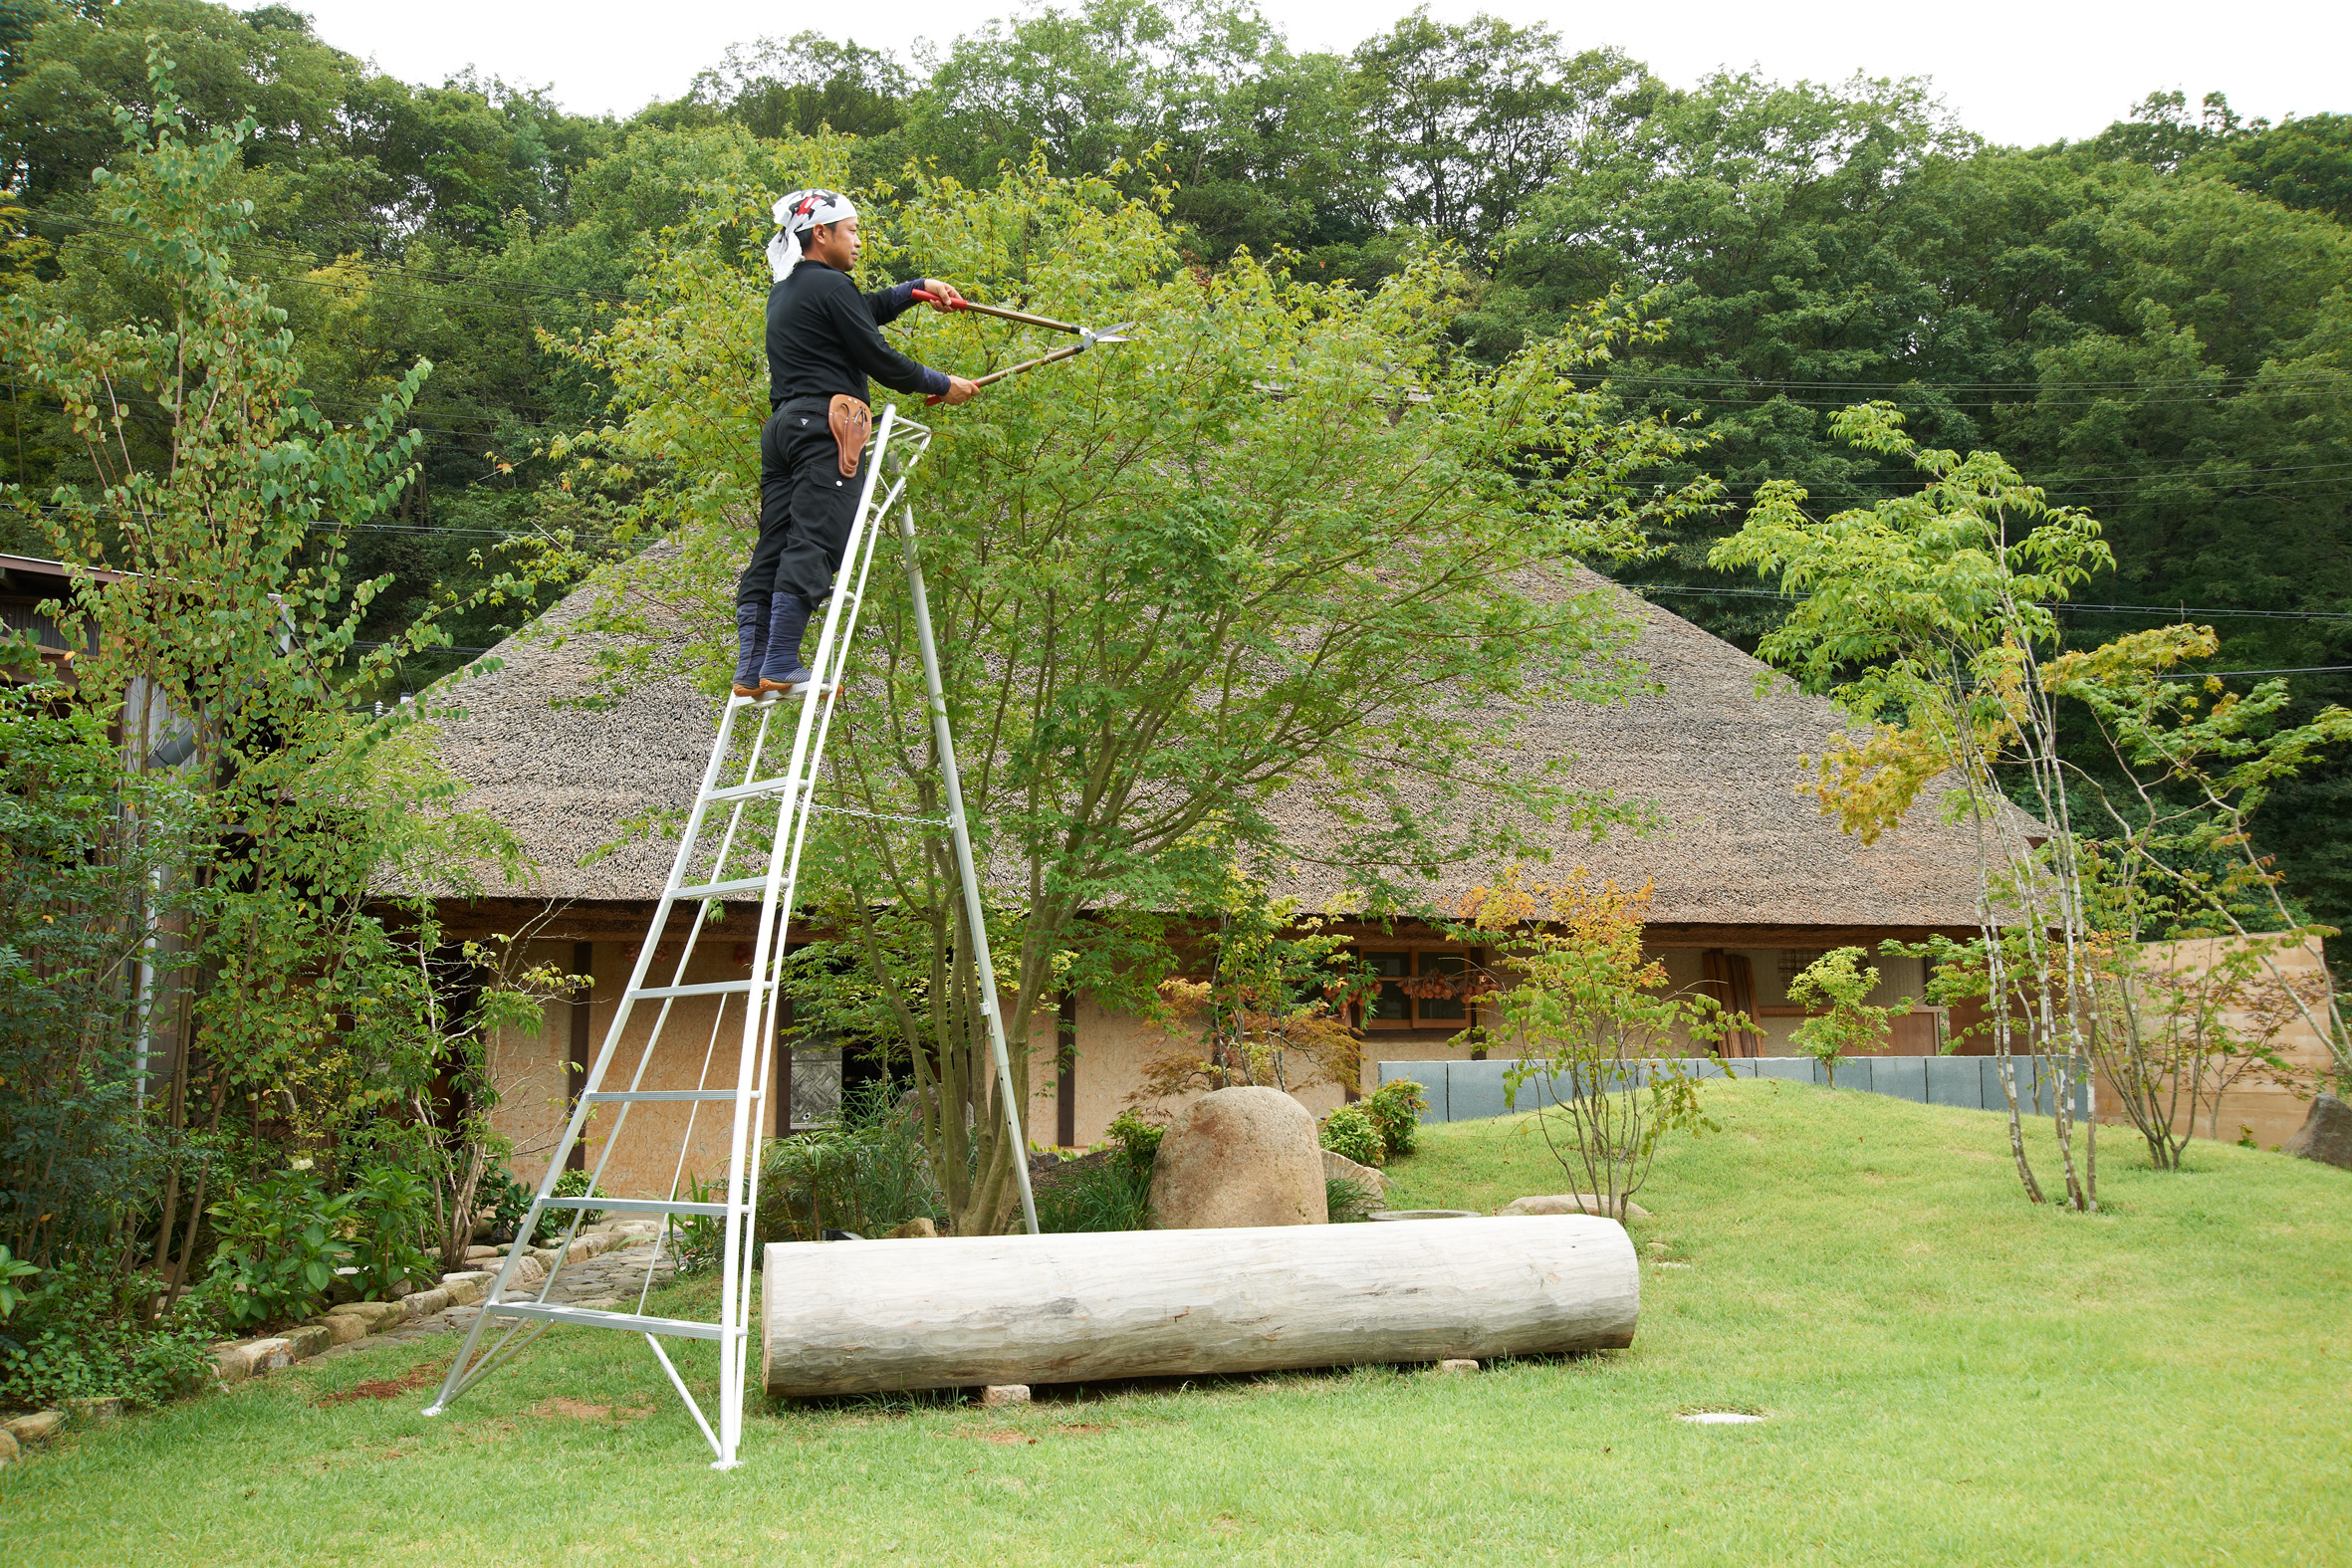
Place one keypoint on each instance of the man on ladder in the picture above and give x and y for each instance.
(825, 340)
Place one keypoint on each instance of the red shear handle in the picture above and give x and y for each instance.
(928, 298)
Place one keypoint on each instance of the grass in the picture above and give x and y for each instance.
(1951, 1376)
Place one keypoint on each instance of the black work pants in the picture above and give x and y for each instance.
(805, 506)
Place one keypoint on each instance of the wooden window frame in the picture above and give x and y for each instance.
(1471, 957)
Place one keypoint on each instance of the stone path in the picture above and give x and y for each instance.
(612, 1279)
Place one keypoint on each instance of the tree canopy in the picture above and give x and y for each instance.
(2151, 323)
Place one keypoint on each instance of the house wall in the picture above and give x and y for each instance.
(2257, 1105)
(1776, 1017)
(700, 1047)
(1110, 1054)
(529, 1070)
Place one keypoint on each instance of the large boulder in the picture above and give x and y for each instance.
(2326, 1134)
(1238, 1157)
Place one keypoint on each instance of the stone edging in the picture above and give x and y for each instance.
(236, 1361)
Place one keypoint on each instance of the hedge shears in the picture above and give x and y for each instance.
(1086, 336)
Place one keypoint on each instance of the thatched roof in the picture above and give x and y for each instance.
(1720, 765)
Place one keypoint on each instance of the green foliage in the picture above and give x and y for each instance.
(698, 1242)
(1136, 1137)
(227, 519)
(506, 1199)
(1395, 1108)
(1931, 619)
(1104, 1189)
(553, 1223)
(1273, 1009)
(869, 1173)
(1595, 1030)
(83, 849)
(281, 1239)
(13, 1270)
(1395, 548)
(1351, 1133)
(78, 1337)
(1847, 1024)
(1345, 1201)
(391, 1211)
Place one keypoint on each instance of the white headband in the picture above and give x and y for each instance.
(795, 213)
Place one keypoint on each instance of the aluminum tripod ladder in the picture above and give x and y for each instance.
(698, 880)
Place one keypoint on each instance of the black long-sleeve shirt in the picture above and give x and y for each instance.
(825, 338)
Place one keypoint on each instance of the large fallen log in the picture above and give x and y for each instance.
(860, 1318)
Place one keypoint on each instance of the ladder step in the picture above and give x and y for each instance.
(644, 1096)
(590, 1317)
(716, 987)
(746, 792)
(635, 1206)
(747, 884)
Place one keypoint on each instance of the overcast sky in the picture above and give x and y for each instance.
(2014, 70)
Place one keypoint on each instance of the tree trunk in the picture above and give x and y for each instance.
(854, 1317)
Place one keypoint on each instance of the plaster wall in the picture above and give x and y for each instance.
(699, 1049)
(2256, 1106)
(529, 1070)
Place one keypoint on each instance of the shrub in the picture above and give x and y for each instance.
(1350, 1132)
(74, 1338)
(1105, 1190)
(869, 1174)
(1395, 1108)
(281, 1242)
(508, 1202)
(1137, 1138)
(393, 1209)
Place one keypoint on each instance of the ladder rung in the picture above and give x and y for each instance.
(590, 1317)
(641, 1097)
(715, 987)
(748, 884)
(745, 791)
(635, 1206)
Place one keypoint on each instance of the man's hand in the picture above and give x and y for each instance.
(960, 390)
(943, 298)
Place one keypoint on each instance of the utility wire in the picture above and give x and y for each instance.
(2062, 604)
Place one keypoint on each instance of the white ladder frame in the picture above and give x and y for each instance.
(794, 789)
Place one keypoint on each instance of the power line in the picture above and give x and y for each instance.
(2293, 669)
(1696, 375)
(2062, 604)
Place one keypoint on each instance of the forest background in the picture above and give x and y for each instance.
(2155, 324)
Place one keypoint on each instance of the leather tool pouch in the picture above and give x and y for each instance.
(850, 421)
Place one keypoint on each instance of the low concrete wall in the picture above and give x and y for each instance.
(1461, 1091)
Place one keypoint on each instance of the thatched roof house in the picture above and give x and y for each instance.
(1751, 881)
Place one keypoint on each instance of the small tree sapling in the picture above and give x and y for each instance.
(1595, 1028)
(1837, 984)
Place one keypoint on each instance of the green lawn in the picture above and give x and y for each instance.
(1951, 1376)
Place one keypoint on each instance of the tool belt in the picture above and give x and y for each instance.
(849, 421)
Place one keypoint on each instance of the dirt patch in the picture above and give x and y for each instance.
(577, 1410)
(1001, 1437)
(1008, 1438)
(384, 1388)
